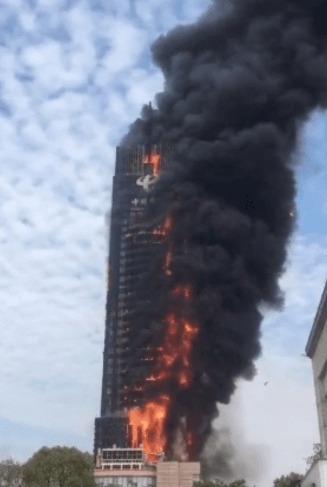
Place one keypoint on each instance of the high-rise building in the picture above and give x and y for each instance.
(132, 246)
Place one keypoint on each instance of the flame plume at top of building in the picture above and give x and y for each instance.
(238, 85)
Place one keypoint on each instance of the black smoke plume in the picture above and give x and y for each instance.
(239, 84)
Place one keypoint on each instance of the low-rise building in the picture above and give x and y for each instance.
(177, 474)
(127, 467)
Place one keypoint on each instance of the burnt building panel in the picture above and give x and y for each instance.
(132, 245)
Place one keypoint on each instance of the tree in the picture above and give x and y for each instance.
(291, 480)
(58, 467)
(237, 483)
(316, 455)
(220, 483)
(10, 473)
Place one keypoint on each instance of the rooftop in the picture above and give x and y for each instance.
(318, 324)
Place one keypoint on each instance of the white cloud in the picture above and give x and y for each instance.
(72, 79)
(123, 49)
(302, 285)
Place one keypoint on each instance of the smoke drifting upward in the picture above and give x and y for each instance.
(238, 86)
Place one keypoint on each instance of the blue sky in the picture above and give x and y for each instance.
(74, 74)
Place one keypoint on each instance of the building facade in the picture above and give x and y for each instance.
(132, 246)
(177, 474)
(316, 349)
(118, 473)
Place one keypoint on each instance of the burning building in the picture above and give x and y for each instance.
(196, 253)
(132, 247)
(130, 437)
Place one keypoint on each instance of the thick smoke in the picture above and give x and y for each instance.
(238, 86)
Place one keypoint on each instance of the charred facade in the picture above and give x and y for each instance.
(239, 85)
(132, 247)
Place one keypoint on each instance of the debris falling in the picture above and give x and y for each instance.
(239, 84)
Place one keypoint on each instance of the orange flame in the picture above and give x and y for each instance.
(147, 426)
(147, 423)
(154, 159)
(167, 263)
(164, 228)
(177, 347)
(183, 291)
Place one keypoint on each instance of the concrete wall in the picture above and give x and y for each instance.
(319, 365)
(317, 475)
(189, 472)
(175, 474)
(167, 474)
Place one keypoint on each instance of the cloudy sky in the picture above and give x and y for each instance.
(73, 75)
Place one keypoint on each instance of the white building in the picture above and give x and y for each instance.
(317, 350)
(317, 475)
(127, 467)
(123, 467)
(125, 478)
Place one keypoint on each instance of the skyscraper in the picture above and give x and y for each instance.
(132, 245)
